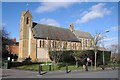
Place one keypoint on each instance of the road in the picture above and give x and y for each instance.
(12, 73)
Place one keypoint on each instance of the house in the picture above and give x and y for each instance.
(13, 48)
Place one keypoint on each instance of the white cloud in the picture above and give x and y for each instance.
(115, 28)
(110, 40)
(112, 7)
(49, 22)
(52, 6)
(2, 25)
(77, 28)
(64, 1)
(96, 11)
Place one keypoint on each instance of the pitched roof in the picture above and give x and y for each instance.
(42, 31)
(81, 34)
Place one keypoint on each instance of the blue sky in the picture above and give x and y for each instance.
(86, 16)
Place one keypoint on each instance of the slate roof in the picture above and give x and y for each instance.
(81, 34)
(42, 31)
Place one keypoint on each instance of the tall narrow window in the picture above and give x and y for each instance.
(65, 44)
(91, 43)
(49, 44)
(40, 44)
(43, 43)
(75, 46)
(70, 45)
(27, 21)
(85, 43)
(55, 44)
(80, 44)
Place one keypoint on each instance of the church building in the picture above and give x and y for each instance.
(36, 40)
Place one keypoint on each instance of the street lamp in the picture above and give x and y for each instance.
(103, 55)
(97, 36)
(104, 48)
(106, 31)
(47, 51)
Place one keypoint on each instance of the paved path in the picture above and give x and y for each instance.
(12, 73)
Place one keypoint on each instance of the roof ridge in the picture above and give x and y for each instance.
(52, 26)
(82, 31)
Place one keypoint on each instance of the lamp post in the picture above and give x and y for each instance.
(95, 57)
(104, 49)
(47, 51)
(96, 42)
(103, 58)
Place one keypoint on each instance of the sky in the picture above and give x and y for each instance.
(90, 17)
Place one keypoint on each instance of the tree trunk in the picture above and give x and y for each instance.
(76, 64)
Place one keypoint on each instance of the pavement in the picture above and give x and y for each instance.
(14, 73)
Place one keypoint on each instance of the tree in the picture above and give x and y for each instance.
(76, 55)
(56, 52)
(114, 50)
(5, 42)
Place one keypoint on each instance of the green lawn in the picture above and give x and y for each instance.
(46, 67)
(35, 67)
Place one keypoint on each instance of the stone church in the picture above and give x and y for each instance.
(36, 40)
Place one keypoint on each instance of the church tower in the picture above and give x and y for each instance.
(25, 35)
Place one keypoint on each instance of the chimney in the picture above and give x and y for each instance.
(14, 40)
(72, 27)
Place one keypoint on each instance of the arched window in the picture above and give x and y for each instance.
(27, 21)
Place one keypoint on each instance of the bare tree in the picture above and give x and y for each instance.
(76, 55)
(56, 52)
(59, 52)
(114, 55)
(114, 50)
(5, 41)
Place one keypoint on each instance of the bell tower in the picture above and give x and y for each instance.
(25, 35)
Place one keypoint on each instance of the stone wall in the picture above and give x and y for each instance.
(33, 49)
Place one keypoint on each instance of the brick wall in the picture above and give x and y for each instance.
(14, 49)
